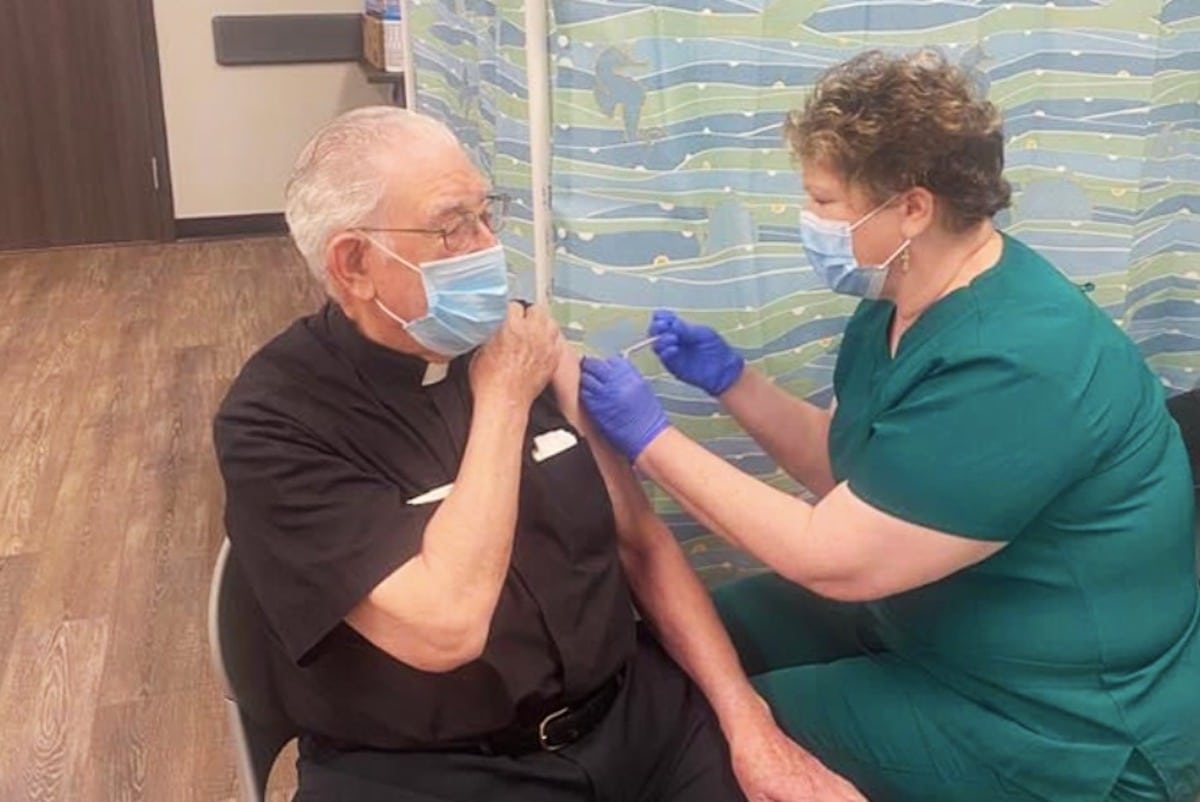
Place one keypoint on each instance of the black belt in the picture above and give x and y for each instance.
(558, 729)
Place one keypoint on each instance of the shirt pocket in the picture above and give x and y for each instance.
(552, 443)
(431, 496)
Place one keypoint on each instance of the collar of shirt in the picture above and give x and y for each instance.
(383, 367)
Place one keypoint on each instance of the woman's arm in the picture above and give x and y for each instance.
(792, 431)
(841, 548)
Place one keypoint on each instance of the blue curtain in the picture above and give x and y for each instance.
(672, 186)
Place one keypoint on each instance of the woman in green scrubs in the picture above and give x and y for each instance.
(994, 596)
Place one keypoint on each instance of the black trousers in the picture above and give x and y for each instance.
(659, 743)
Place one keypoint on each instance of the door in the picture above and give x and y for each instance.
(82, 139)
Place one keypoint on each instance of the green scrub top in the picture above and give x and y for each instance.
(1016, 411)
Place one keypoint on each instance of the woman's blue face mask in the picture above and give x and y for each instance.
(466, 296)
(829, 245)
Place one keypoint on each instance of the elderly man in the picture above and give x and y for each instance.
(444, 559)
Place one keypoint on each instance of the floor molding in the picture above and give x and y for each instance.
(238, 225)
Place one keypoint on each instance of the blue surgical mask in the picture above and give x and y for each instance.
(467, 299)
(829, 245)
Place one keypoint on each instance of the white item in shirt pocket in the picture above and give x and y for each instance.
(437, 494)
(555, 441)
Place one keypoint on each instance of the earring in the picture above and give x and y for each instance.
(904, 261)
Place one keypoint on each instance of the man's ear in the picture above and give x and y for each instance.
(920, 210)
(345, 257)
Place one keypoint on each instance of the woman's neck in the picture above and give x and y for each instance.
(940, 263)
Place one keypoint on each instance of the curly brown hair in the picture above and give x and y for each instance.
(889, 123)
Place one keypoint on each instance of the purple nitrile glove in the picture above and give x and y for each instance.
(695, 354)
(621, 403)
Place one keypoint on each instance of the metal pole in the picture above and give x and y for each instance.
(409, 87)
(537, 66)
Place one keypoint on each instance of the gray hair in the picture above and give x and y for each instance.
(337, 182)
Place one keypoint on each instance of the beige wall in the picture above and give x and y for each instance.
(233, 132)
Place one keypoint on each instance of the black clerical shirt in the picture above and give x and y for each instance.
(336, 452)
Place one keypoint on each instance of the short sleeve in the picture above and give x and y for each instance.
(975, 448)
(314, 532)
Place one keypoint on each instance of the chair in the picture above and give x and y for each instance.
(237, 634)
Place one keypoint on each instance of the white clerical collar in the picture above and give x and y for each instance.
(435, 372)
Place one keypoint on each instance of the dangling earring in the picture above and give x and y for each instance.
(904, 261)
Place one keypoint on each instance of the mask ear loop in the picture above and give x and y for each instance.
(873, 212)
(902, 251)
(389, 252)
(404, 324)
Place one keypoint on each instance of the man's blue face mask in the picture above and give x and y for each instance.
(829, 245)
(467, 298)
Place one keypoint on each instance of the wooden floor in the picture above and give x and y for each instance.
(112, 361)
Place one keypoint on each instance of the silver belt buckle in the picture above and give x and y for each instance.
(543, 738)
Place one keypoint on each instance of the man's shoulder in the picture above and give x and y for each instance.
(275, 377)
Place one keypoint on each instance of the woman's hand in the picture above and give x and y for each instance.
(695, 354)
(621, 403)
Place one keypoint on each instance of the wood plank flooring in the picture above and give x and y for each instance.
(112, 362)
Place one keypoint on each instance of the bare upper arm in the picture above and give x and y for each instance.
(566, 383)
(882, 554)
(626, 494)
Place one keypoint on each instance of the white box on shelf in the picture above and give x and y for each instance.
(383, 43)
(386, 9)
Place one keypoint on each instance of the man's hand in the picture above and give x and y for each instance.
(517, 362)
(770, 767)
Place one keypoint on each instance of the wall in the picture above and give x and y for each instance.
(233, 132)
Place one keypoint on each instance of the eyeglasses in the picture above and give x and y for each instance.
(460, 234)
